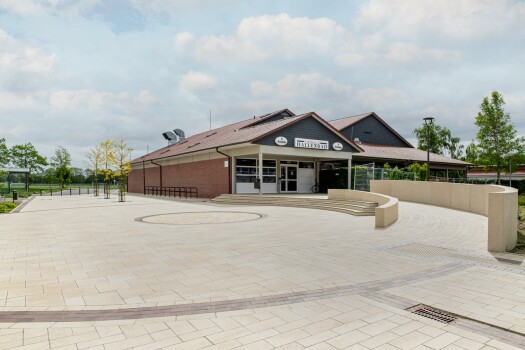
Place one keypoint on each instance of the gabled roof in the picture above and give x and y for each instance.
(245, 131)
(404, 153)
(343, 123)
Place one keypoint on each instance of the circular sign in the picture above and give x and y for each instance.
(337, 146)
(281, 141)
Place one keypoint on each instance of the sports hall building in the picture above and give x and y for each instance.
(279, 152)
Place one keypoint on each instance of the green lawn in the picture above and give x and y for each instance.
(46, 188)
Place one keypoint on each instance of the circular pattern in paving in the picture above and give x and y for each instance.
(200, 218)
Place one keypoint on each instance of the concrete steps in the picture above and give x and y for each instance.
(352, 207)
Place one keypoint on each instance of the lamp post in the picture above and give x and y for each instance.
(509, 155)
(428, 122)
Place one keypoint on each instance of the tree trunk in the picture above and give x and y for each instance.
(498, 177)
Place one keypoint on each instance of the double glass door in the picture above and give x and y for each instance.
(288, 178)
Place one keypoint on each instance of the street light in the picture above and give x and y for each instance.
(509, 155)
(428, 122)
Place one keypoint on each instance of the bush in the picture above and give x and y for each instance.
(6, 207)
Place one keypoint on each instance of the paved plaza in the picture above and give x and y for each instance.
(82, 272)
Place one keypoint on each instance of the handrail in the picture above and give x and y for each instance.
(176, 191)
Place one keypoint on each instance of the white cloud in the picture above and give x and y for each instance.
(282, 37)
(194, 81)
(71, 100)
(49, 7)
(314, 91)
(399, 53)
(462, 19)
(17, 57)
(21, 101)
(260, 38)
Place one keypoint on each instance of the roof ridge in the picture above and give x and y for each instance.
(352, 116)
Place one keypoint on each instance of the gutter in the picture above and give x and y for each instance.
(160, 166)
(229, 169)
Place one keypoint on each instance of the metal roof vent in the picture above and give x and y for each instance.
(356, 140)
(171, 137)
(180, 134)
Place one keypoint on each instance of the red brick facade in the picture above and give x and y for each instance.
(209, 176)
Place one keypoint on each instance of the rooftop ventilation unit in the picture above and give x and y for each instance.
(171, 137)
(180, 134)
(356, 140)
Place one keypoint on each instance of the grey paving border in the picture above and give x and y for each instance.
(22, 205)
(228, 305)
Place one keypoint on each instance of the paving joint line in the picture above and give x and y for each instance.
(229, 305)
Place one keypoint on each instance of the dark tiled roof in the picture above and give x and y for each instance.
(343, 123)
(404, 153)
(241, 132)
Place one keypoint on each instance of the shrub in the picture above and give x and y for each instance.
(6, 207)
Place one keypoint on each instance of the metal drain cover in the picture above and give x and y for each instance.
(432, 313)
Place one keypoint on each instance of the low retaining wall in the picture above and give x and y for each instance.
(498, 203)
(385, 214)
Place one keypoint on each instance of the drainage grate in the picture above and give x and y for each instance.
(432, 313)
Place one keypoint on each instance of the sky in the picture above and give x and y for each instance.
(75, 72)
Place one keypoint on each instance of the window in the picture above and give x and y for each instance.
(306, 165)
(247, 170)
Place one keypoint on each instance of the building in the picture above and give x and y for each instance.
(287, 149)
(382, 144)
(489, 174)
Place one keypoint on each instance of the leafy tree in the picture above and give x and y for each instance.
(441, 141)
(122, 164)
(63, 174)
(61, 161)
(4, 153)
(471, 154)
(62, 158)
(419, 169)
(107, 156)
(77, 175)
(94, 161)
(26, 156)
(496, 134)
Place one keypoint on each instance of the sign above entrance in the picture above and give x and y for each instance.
(281, 141)
(309, 143)
(337, 146)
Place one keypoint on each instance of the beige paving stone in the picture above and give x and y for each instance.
(347, 339)
(141, 264)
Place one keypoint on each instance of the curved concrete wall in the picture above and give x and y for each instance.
(386, 213)
(498, 203)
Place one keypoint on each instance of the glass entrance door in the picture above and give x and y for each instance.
(288, 178)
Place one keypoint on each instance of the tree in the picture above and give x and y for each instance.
(122, 164)
(61, 161)
(441, 141)
(471, 154)
(4, 153)
(26, 156)
(62, 158)
(106, 148)
(94, 160)
(419, 170)
(496, 134)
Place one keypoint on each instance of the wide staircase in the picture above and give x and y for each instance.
(352, 207)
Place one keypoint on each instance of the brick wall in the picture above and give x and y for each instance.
(209, 176)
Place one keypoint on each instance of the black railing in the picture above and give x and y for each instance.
(181, 192)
